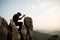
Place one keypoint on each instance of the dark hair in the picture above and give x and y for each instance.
(19, 14)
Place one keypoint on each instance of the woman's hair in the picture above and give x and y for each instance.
(19, 14)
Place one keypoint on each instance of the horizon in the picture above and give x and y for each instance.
(44, 13)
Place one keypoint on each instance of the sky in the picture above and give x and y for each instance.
(45, 13)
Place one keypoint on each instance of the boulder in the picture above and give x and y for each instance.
(3, 29)
(10, 32)
(24, 32)
(15, 33)
(29, 27)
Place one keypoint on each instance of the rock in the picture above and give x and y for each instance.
(29, 26)
(27, 30)
(15, 33)
(24, 32)
(10, 32)
(3, 29)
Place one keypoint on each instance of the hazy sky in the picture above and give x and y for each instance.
(45, 13)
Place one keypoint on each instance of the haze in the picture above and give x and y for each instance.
(45, 13)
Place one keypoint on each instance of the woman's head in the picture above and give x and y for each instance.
(18, 13)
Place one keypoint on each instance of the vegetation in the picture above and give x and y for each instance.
(41, 36)
(44, 36)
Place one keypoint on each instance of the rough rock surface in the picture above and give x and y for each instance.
(10, 32)
(24, 32)
(15, 33)
(3, 29)
(29, 26)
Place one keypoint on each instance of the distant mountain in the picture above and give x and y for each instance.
(50, 32)
(55, 33)
(38, 35)
(41, 36)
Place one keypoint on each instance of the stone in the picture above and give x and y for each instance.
(3, 29)
(15, 33)
(29, 26)
(10, 32)
(24, 32)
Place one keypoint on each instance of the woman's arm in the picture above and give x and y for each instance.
(21, 17)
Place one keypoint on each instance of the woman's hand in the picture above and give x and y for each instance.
(23, 15)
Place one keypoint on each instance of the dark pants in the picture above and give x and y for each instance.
(19, 24)
(20, 27)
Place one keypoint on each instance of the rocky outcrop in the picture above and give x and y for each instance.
(29, 26)
(3, 29)
(27, 29)
(24, 32)
(10, 32)
(15, 33)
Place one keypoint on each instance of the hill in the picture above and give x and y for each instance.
(41, 36)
